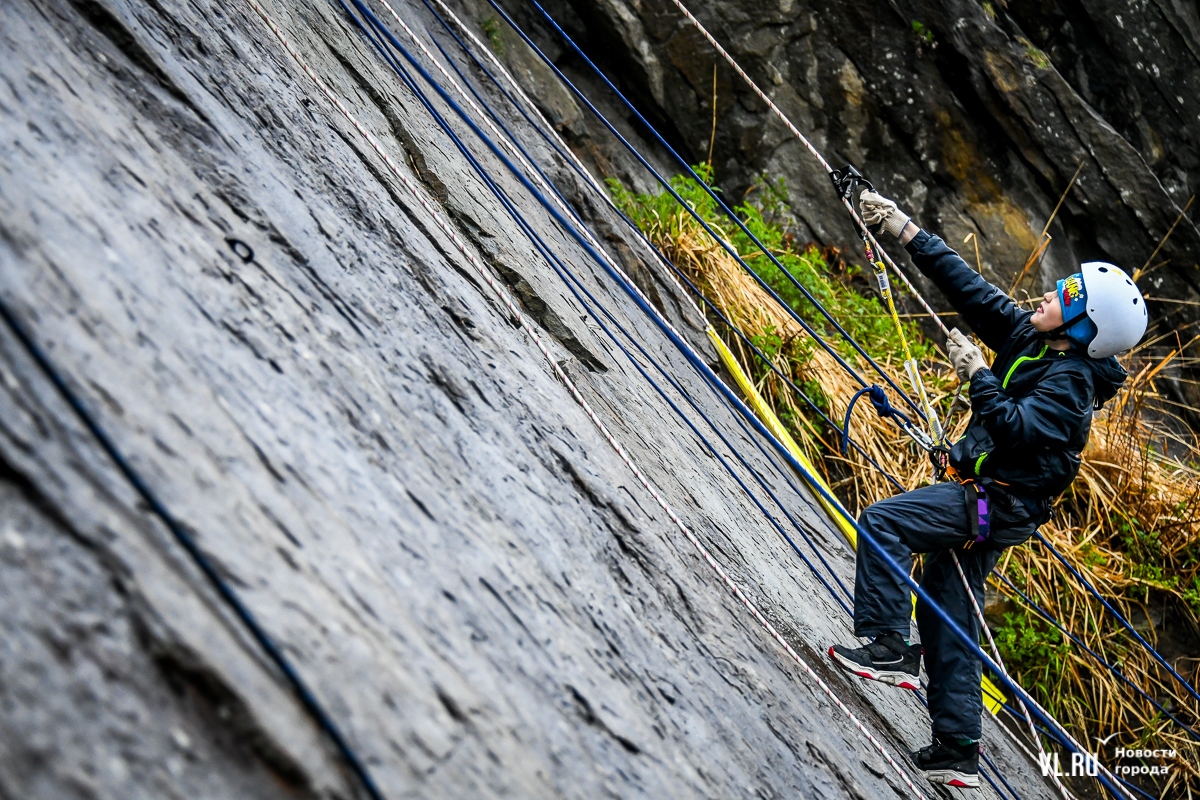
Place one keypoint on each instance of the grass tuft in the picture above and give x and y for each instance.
(491, 29)
(1035, 55)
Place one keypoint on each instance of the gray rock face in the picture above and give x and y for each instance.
(973, 116)
(379, 462)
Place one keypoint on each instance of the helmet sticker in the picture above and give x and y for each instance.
(1072, 290)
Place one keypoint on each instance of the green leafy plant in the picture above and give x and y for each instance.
(493, 32)
(1035, 650)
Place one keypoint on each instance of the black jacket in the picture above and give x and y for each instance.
(1032, 411)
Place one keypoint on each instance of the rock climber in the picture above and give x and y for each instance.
(1031, 412)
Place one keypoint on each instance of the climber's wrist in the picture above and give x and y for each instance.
(909, 230)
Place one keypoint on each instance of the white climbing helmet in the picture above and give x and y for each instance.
(1113, 305)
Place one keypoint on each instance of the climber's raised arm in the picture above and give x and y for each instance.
(985, 308)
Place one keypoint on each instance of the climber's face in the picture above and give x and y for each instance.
(1049, 314)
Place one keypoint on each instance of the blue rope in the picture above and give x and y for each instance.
(568, 277)
(883, 408)
(1057, 739)
(1111, 667)
(720, 240)
(951, 624)
(999, 775)
(551, 256)
(508, 204)
(1117, 614)
(520, 107)
(878, 397)
(556, 263)
(753, 439)
(873, 390)
(305, 695)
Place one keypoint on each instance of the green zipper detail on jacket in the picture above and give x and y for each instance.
(1022, 359)
(979, 463)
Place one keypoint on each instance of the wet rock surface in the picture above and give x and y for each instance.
(321, 389)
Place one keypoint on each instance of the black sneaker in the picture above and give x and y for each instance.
(887, 659)
(949, 763)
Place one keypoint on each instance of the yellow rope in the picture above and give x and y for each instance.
(839, 514)
(910, 363)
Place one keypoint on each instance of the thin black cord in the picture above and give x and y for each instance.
(223, 589)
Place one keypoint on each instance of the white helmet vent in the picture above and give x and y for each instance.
(1118, 327)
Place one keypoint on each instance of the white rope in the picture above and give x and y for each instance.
(566, 381)
(1061, 729)
(1037, 740)
(821, 159)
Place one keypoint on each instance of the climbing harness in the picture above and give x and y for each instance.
(979, 521)
(979, 513)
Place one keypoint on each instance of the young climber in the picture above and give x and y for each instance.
(1031, 412)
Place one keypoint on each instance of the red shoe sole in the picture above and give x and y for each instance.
(889, 680)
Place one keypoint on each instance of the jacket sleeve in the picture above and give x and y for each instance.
(990, 312)
(1048, 416)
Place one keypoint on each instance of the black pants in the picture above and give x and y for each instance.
(933, 520)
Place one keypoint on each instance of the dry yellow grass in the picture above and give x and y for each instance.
(1130, 523)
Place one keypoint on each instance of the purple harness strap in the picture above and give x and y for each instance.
(979, 515)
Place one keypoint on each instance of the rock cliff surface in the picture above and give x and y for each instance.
(320, 389)
(973, 115)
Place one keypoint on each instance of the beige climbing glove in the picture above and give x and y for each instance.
(964, 355)
(878, 210)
